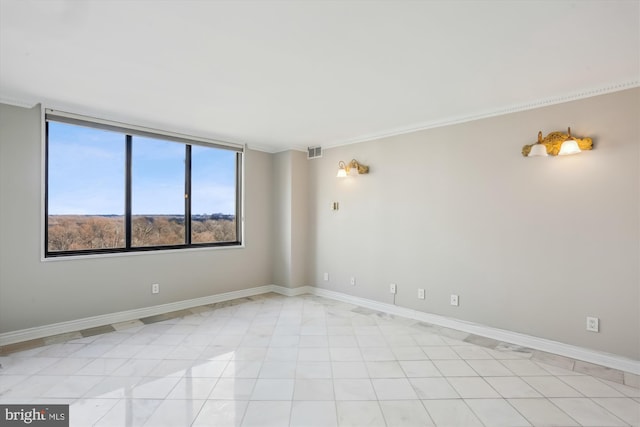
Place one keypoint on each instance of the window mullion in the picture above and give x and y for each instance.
(127, 202)
(187, 195)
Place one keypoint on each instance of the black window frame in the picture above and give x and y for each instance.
(128, 132)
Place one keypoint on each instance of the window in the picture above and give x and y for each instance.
(111, 188)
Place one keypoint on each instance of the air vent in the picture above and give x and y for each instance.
(314, 152)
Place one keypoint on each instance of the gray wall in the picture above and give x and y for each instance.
(290, 222)
(532, 245)
(34, 293)
(282, 218)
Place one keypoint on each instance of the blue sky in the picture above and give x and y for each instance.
(87, 174)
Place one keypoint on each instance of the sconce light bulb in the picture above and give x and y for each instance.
(570, 146)
(538, 150)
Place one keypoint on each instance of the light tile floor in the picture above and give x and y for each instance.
(303, 361)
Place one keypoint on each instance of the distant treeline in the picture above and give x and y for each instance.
(78, 232)
(176, 217)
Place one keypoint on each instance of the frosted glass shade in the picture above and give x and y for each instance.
(353, 171)
(538, 150)
(342, 173)
(570, 146)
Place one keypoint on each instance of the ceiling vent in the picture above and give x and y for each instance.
(314, 152)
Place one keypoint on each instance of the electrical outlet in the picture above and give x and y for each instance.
(155, 288)
(326, 277)
(454, 300)
(353, 281)
(593, 324)
(393, 288)
(420, 293)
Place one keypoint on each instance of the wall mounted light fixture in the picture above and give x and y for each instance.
(353, 168)
(557, 144)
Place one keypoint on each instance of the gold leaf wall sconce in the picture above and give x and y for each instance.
(557, 144)
(353, 168)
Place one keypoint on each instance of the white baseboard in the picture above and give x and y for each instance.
(124, 316)
(555, 347)
(292, 292)
(604, 359)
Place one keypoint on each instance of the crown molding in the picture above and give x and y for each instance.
(17, 102)
(545, 102)
(415, 127)
(275, 150)
(262, 148)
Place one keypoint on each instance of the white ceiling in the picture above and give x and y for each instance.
(291, 74)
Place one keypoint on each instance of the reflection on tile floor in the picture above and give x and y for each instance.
(278, 361)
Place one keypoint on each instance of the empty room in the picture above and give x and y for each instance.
(320, 213)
